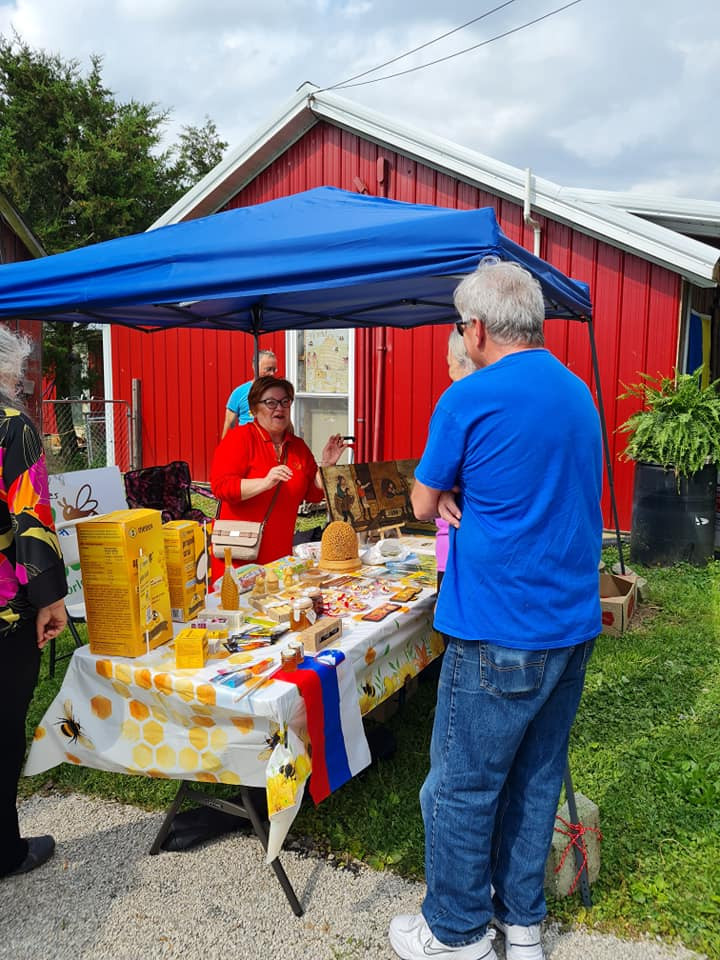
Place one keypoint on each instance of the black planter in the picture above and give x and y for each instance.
(672, 522)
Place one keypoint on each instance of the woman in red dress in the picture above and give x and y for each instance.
(252, 460)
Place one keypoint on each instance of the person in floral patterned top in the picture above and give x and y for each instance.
(32, 588)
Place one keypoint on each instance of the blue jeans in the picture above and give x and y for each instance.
(497, 759)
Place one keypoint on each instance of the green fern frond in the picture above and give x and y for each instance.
(679, 427)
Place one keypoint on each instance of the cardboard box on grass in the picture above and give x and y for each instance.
(617, 602)
(187, 595)
(109, 549)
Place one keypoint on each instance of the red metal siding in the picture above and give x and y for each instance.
(188, 375)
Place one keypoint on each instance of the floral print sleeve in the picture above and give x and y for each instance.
(32, 572)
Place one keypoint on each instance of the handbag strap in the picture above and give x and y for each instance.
(274, 496)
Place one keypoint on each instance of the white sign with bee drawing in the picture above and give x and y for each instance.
(74, 497)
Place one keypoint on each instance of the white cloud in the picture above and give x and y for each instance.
(614, 94)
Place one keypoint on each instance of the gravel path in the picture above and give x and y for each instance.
(102, 896)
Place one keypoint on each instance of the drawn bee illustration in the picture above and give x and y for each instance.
(158, 626)
(85, 504)
(288, 771)
(70, 727)
(277, 736)
(369, 689)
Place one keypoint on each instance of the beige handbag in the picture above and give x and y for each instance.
(243, 537)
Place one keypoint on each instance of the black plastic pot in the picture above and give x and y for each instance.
(671, 521)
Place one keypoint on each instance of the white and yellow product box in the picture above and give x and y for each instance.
(187, 594)
(191, 649)
(109, 549)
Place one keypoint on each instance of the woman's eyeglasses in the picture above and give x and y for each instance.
(273, 404)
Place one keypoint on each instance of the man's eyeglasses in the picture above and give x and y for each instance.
(460, 326)
(273, 404)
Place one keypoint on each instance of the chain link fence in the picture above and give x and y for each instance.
(83, 434)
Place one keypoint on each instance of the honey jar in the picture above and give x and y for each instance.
(288, 658)
(301, 613)
(298, 649)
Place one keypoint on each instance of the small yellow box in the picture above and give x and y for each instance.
(187, 595)
(110, 546)
(191, 648)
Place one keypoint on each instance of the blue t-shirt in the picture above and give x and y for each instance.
(238, 403)
(521, 438)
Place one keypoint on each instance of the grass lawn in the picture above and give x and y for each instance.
(645, 748)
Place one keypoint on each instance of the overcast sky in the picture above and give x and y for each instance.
(609, 94)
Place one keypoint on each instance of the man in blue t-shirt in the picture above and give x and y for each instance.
(237, 409)
(513, 463)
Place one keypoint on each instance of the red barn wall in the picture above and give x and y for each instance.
(187, 375)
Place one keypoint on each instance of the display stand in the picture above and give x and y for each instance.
(247, 810)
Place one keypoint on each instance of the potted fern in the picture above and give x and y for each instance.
(675, 441)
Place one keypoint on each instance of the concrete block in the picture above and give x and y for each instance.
(559, 879)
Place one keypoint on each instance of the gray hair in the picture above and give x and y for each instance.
(507, 299)
(261, 354)
(14, 351)
(456, 346)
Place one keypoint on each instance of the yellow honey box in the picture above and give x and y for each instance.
(191, 648)
(109, 547)
(187, 594)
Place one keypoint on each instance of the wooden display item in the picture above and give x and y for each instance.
(342, 566)
(321, 634)
(271, 607)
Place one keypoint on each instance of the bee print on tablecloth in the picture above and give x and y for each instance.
(70, 727)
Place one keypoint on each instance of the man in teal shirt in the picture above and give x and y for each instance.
(237, 406)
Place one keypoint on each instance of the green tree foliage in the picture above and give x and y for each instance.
(83, 167)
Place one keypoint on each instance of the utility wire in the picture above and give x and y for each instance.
(422, 46)
(431, 63)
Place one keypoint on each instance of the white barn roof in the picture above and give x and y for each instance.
(589, 212)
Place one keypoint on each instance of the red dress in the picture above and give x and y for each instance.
(247, 453)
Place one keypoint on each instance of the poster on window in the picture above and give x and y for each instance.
(323, 359)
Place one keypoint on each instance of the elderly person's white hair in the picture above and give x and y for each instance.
(458, 351)
(14, 351)
(507, 299)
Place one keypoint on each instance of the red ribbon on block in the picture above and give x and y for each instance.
(576, 838)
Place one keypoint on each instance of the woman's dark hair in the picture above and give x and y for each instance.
(264, 383)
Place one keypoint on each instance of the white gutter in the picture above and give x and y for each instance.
(527, 215)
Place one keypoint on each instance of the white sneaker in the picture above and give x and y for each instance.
(521, 943)
(412, 939)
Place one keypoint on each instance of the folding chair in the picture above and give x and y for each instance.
(167, 489)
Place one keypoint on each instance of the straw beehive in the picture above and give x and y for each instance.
(339, 547)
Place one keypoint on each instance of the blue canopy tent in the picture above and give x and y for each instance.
(325, 258)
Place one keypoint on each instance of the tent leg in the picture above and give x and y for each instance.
(257, 321)
(606, 443)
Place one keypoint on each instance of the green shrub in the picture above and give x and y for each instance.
(679, 428)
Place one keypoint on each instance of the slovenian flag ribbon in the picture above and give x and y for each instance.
(339, 746)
